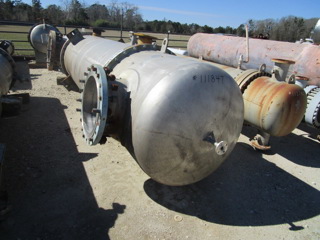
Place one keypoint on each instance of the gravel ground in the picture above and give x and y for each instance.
(60, 188)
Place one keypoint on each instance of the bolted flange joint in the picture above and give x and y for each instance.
(94, 99)
(220, 147)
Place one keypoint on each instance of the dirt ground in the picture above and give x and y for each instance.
(60, 188)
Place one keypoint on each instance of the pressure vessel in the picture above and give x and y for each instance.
(179, 118)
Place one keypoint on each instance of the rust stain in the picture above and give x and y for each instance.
(305, 56)
(283, 103)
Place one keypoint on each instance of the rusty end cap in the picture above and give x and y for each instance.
(250, 78)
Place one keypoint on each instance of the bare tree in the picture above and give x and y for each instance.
(288, 28)
(97, 11)
(54, 14)
(23, 12)
(130, 15)
(36, 10)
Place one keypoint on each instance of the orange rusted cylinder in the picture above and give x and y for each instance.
(275, 107)
(227, 50)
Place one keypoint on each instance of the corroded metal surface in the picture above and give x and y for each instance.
(275, 107)
(272, 106)
(261, 141)
(228, 49)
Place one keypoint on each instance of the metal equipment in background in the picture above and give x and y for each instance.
(297, 63)
(179, 118)
(273, 106)
(7, 46)
(11, 71)
(6, 74)
(39, 38)
(315, 33)
(312, 115)
(231, 50)
(54, 46)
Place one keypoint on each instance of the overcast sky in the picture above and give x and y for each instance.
(215, 13)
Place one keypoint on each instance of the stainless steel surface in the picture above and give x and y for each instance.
(175, 103)
(39, 36)
(7, 46)
(227, 50)
(95, 104)
(316, 33)
(6, 72)
(160, 107)
(178, 51)
(75, 59)
(312, 116)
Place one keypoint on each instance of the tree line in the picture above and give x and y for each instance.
(122, 14)
(289, 28)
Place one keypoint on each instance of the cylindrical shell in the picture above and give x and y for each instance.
(227, 50)
(172, 106)
(176, 102)
(275, 107)
(7, 46)
(77, 58)
(39, 36)
(6, 72)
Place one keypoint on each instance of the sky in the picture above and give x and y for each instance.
(215, 13)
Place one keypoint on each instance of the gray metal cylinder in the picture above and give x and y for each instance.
(7, 46)
(6, 73)
(75, 59)
(39, 36)
(179, 118)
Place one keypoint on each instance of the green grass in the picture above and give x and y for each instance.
(17, 37)
(110, 34)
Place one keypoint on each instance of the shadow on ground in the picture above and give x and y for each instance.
(49, 192)
(246, 190)
(23, 78)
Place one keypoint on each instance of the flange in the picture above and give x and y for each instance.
(246, 77)
(94, 110)
(312, 115)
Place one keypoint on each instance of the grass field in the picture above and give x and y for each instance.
(20, 40)
(17, 38)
